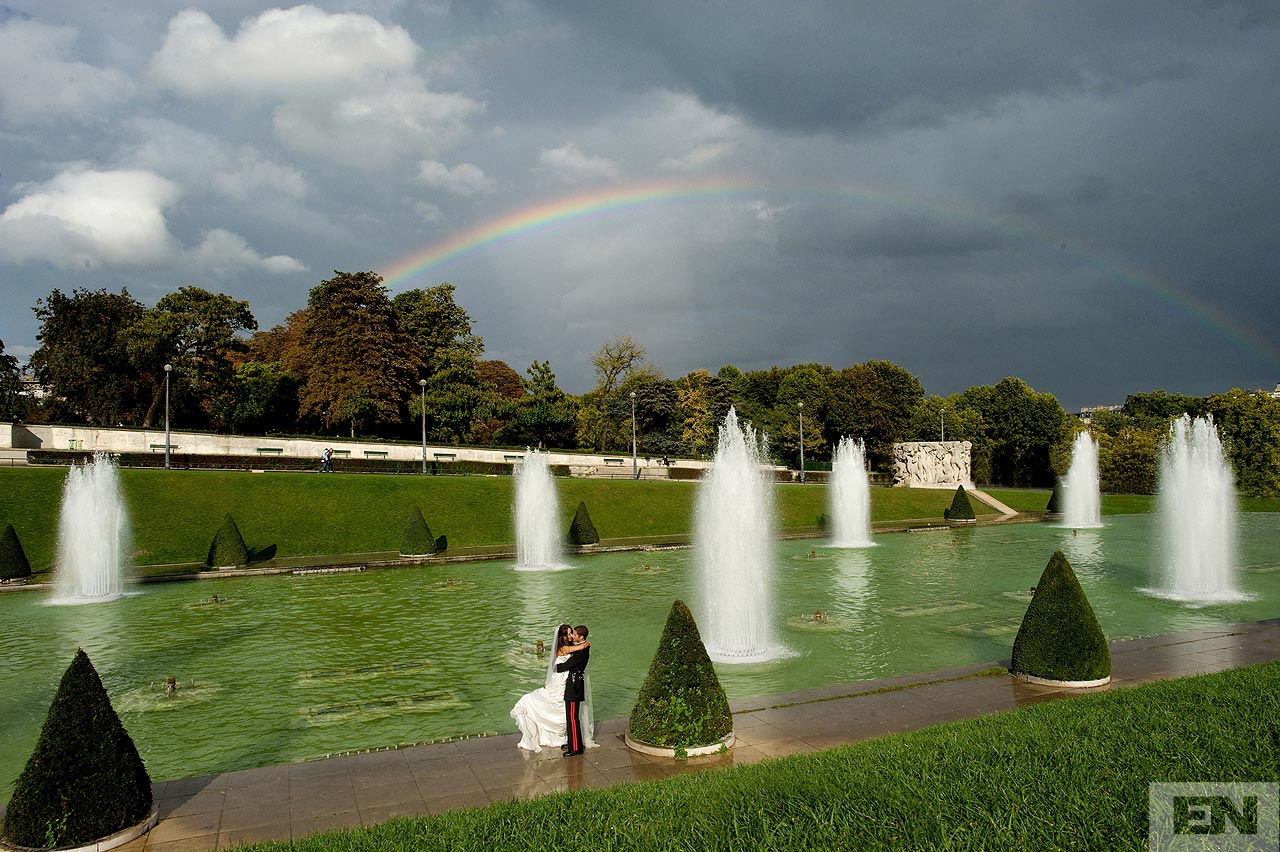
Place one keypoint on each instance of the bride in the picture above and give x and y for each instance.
(541, 714)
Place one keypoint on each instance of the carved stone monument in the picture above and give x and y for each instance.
(932, 464)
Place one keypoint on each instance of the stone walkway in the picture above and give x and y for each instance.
(294, 800)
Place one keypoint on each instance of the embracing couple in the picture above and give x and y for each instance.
(559, 713)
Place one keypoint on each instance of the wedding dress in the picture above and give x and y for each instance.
(540, 714)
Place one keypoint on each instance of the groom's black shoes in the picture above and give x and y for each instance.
(572, 753)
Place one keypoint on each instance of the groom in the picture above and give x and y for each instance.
(575, 690)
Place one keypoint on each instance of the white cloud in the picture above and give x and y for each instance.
(463, 179)
(252, 172)
(40, 81)
(280, 54)
(428, 212)
(84, 218)
(369, 131)
(223, 251)
(698, 157)
(572, 165)
(343, 85)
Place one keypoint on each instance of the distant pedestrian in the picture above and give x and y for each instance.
(326, 460)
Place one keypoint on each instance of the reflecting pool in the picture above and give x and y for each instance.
(291, 667)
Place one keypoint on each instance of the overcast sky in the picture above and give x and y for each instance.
(1082, 194)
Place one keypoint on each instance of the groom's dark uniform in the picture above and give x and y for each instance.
(575, 692)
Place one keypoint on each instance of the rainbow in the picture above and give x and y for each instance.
(415, 265)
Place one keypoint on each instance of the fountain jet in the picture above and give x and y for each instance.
(1082, 507)
(1197, 511)
(850, 496)
(537, 523)
(734, 544)
(93, 534)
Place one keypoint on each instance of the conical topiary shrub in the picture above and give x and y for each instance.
(582, 531)
(681, 704)
(228, 548)
(417, 536)
(1060, 638)
(85, 780)
(13, 559)
(1055, 499)
(961, 509)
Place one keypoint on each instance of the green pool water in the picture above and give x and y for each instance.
(293, 667)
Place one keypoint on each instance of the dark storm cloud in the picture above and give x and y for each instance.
(844, 66)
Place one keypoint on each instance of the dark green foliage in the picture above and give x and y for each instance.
(961, 509)
(442, 544)
(681, 704)
(85, 779)
(1060, 637)
(1055, 499)
(228, 547)
(418, 540)
(13, 559)
(582, 531)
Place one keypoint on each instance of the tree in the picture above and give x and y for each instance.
(197, 332)
(357, 366)
(1020, 429)
(875, 401)
(612, 362)
(448, 352)
(1128, 460)
(505, 381)
(11, 407)
(1249, 426)
(546, 415)
(84, 360)
(697, 424)
(265, 398)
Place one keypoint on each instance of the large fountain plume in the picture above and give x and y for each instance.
(536, 515)
(850, 496)
(93, 533)
(734, 543)
(1197, 511)
(1082, 507)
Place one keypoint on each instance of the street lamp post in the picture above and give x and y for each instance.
(800, 405)
(168, 368)
(943, 415)
(422, 384)
(635, 467)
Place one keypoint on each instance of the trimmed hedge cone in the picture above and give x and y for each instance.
(13, 559)
(961, 509)
(228, 549)
(681, 706)
(1060, 640)
(85, 780)
(417, 536)
(581, 530)
(1055, 499)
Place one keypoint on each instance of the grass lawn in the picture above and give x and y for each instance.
(1070, 774)
(174, 514)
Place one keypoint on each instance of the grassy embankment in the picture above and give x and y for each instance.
(174, 514)
(1069, 774)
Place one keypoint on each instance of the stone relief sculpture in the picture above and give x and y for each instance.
(931, 464)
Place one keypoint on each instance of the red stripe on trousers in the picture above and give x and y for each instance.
(575, 738)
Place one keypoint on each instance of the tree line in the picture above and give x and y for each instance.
(359, 361)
